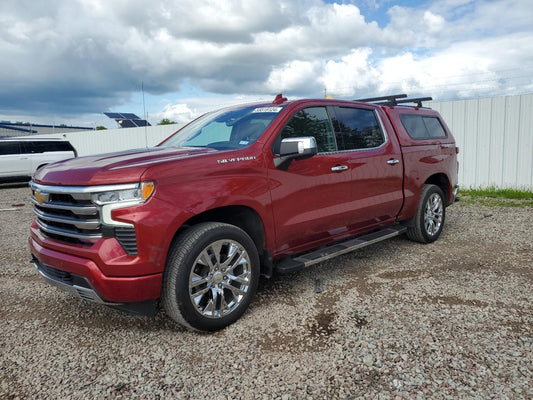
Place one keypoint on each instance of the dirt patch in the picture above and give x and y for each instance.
(454, 301)
(405, 274)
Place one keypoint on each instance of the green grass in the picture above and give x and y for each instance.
(494, 192)
(495, 197)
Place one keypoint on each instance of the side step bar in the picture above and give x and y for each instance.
(289, 265)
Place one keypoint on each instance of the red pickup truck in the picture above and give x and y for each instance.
(241, 192)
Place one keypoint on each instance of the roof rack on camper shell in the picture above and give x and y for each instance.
(394, 100)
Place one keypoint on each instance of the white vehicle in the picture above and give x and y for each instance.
(20, 158)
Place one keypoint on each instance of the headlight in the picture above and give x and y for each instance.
(121, 196)
(125, 193)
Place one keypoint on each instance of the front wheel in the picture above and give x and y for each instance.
(211, 276)
(429, 218)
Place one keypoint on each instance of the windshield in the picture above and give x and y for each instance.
(225, 129)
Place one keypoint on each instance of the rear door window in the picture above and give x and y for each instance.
(9, 148)
(43, 146)
(356, 128)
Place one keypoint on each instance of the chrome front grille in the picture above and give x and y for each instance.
(68, 217)
(68, 214)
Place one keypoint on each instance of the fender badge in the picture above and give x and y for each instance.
(237, 159)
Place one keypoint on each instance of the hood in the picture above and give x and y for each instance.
(103, 169)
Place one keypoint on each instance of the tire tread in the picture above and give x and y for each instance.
(182, 246)
(416, 232)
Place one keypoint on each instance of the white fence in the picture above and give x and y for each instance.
(494, 135)
(108, 141)
(495, 139)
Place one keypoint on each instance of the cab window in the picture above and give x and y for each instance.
(312, 121)
(356, 128)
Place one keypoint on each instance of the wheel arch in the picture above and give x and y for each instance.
(438, 179)
(243, 217)
(442, 181)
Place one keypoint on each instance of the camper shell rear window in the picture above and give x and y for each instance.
(423, 127)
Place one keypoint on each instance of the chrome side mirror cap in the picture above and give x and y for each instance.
(296, 148)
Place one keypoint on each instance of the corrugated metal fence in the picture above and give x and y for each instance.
(111, 140)
(495, 138)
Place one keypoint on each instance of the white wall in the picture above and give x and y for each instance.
(107, 141)
(495, 139)
(494, 135)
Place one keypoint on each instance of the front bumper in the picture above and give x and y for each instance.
(74, 284)
(83, 278)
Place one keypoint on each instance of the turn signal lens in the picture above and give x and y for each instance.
(147, 189)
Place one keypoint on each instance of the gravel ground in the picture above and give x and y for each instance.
(453, 319)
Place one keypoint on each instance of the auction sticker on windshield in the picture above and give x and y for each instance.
(267, 110)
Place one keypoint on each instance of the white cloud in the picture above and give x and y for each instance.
(294, 76)
(87, 56)
(466, 69)
(179, 113)
(434, 23)
(351, 75)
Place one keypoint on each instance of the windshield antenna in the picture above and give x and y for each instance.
(145, 117)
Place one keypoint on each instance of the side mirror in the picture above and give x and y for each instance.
(296, 148)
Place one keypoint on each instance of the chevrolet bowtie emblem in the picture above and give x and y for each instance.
(41, 197)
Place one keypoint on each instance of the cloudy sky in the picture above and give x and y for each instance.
(67, 61)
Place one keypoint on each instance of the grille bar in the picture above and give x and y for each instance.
(79, 210)
(80, 224)
(84, 237)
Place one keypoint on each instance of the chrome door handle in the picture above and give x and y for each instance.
(393, 161)
(338, 168)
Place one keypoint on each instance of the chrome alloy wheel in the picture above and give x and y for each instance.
(220, 278)
(433, 214)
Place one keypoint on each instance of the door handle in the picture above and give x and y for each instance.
(393, 161)
(339, 168)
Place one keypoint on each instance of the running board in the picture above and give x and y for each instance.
(289, 265)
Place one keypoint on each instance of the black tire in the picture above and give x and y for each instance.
(218, 265)
(430, 215)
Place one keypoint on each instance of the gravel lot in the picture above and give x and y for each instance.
(453, 319)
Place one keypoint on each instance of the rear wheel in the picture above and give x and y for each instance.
(211, 276)
(430, 215)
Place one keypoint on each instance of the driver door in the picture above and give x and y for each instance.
(311, 197)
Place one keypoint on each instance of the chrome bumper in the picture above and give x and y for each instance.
(455, 191)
